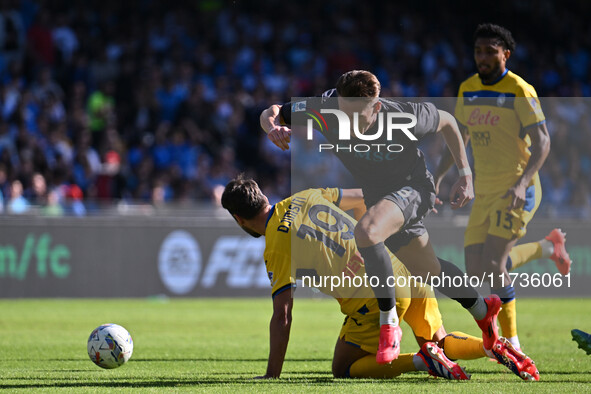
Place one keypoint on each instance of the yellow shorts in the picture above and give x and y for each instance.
(421, 312)
(490, 216)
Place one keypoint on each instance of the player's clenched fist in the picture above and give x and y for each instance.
(280, 136)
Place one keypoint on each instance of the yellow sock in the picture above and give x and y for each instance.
(367, 367)
(460, 346)
(525, 253)
(508, 319)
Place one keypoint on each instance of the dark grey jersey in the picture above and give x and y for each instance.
(377, 170)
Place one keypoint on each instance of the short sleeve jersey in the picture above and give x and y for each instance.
(308, 234)
(377, 171)
(497, 116)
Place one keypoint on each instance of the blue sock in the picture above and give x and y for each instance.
(506, 293)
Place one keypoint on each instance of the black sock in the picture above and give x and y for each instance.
(466, 295)
(378, 264)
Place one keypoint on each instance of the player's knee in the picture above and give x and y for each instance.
(367, 234)
(340, 370)
(424, 268)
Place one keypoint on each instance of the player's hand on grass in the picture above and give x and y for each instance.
(462, 192)
(267, 376)
(280, 136)
(516, 196)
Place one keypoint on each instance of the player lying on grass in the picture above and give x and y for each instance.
(309, 231)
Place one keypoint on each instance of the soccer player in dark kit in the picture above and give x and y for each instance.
(398, 191)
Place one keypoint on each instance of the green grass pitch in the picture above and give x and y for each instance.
(220, 344)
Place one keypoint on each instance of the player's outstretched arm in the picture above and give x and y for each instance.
(279, 328)
(463, 190)
(540, 147)
(271, 123)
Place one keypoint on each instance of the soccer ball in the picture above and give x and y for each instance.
(109, 346)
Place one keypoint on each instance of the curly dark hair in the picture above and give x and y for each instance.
(243, 197)
(502, 35)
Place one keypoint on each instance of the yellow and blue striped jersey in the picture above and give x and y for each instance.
(308, 234)
(496, 116)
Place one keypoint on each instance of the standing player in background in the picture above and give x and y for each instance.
(398, 191)
(505, 122)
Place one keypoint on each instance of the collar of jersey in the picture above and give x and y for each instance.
(498, 79)
(270, 214)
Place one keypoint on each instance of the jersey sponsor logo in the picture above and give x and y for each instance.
(536, 109)
(480, 138)
(533, 102)
(477, 118)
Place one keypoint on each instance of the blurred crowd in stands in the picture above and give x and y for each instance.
(158, 102)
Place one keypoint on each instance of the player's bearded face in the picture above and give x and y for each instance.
(490, 57)
(250, 232)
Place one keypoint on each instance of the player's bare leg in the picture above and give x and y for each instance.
(419, 255)
(377, 224)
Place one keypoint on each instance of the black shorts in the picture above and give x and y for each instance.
(415, 204)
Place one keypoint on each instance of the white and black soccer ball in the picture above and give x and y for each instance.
(110, 346)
